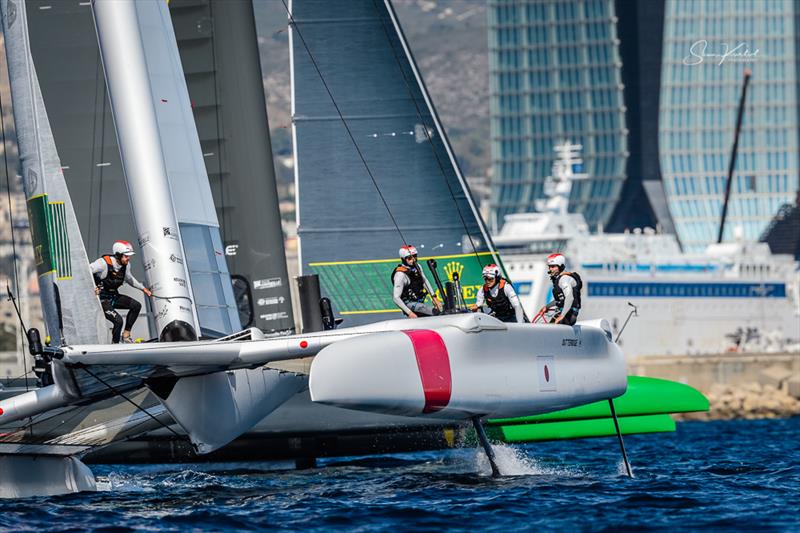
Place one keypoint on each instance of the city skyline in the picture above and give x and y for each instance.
(654, 105)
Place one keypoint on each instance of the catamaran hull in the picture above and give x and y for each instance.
(43, 475)
(450, 373)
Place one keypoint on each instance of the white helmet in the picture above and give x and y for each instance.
(557, 260)
(491, 271)
(407, 251)
(122, 248)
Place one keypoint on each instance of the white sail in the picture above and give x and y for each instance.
(133, 105)
(72, 311)
(186, 171)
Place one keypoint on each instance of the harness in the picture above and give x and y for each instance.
(414, 291)
(109, 286)
(500, 304)
(558, 293)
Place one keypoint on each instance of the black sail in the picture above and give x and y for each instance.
(219, 52)
(373, 166)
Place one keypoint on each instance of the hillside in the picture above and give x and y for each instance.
(448, 40)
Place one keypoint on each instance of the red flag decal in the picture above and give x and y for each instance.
(433, 363)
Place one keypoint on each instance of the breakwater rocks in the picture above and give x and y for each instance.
(737, 385)
(748, 401)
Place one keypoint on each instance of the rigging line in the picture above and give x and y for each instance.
(13, 234)
(344, 122)
(139, 407)
(102, 159)
(40, 418)
(225, 212)
(25, 375)
(92, 160)
(427, 133)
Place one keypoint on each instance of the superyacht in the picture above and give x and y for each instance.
(734, 296)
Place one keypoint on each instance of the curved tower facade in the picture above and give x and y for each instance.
(555, 75)
(707, 46)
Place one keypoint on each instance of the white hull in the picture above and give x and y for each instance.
(444, 371)
(23, 476)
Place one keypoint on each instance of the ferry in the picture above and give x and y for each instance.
(734, 296)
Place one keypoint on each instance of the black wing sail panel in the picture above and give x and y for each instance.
(373, 168)
(219, 52)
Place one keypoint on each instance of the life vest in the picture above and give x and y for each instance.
(558, 294)
(500, 304)
(414, 291)
(109, 286)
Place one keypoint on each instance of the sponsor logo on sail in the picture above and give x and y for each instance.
(144, 238)
(275, 316)
(12, 13)
(170, 233)
(33, 181)
(180, 281)
(149, 264)
(175, 259)
(270, 283)
(271, 301)
(453, 267)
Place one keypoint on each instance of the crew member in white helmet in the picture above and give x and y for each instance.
(110, 272)
(566, 291)
(499, 296)
(411, 287)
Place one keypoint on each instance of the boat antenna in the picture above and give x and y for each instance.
(619, 437)
(634, 312)
(734, 150)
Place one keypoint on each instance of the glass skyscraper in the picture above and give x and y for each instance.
(707, 46)
(555, 75)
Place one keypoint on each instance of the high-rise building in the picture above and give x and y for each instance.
(707, 46)
(584, 71)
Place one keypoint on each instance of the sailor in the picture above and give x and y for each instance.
(566, 291)
(499, 296)
(411, 287)
(110, 272)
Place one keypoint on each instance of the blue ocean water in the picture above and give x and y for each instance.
(735, 475)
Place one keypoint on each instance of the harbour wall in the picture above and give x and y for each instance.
(738, 385)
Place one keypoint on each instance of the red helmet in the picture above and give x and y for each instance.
(407, 251)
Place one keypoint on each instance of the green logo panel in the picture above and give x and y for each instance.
(362, 287)
(49, 234)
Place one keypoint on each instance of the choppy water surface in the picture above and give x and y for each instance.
(720, 475)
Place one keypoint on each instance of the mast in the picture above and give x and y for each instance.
(123, 56)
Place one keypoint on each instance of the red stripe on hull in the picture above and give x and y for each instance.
(433, 363)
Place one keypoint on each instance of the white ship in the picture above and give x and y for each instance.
(734, 296)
